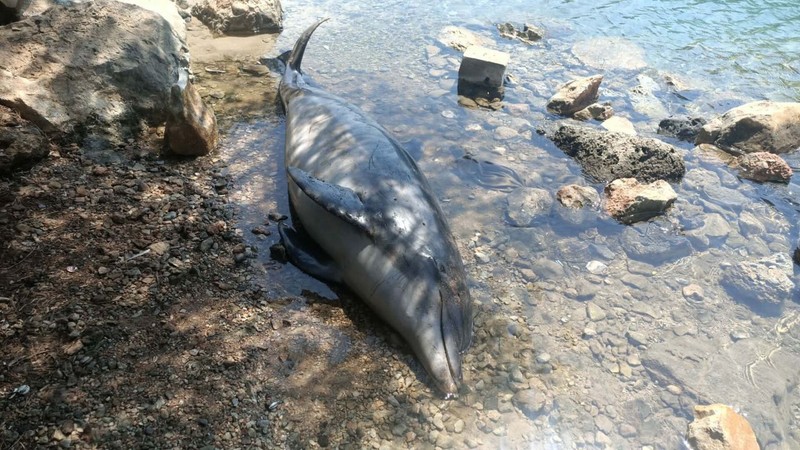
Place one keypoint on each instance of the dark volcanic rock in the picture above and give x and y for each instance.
(607, 156)
(683, 128)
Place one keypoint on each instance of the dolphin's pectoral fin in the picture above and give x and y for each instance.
(308, 256)
(337, 200)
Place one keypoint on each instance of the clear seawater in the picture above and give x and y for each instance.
(658, 351)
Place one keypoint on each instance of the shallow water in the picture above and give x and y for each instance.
(615, 308)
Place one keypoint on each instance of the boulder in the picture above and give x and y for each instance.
(606, 156)
(683, 128)
(191, 128)
(719, 427)
(596, 111)
(576, 196)
(762, 126)
(763, 284)
(528, 34)
(763, 166)
(21, 144)
(628, 201)
(111, 69)
(241, 17)
(575, 95)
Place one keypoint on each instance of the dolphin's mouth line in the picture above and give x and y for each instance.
(447, 395)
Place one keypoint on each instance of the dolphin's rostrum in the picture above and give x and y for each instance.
(379, 229)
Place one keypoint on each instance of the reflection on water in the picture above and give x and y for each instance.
(620, 330)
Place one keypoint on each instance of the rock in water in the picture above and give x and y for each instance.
(575, 95)
(191, 124)
(683, 128)
(763, 166)
(576, 196)
(483, 66)
(525, 204)
(241, 16)
(763, 284)
(763, 126)
(718, 427)
(606, 156)
(629, 202)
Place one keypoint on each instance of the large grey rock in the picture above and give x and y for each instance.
(749, 373)
(654, 245)
(244, 17)
(628, 201)
(606, 156)
(575, 95)
(763, 284)
(21, 144)
(683, 128)
(110, 71)
(191, 128)
(763, 126)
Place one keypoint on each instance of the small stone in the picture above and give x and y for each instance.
(530, 401)
(627, 430)
(604, 424)
(543, 358)
(589, 332)
(575, 95)
(594, 312)
(159, 248)
(458, 426)
(693, 292)
(674, 390)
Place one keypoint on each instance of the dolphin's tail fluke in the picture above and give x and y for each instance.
(296, 58)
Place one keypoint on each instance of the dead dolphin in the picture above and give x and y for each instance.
(362, 199)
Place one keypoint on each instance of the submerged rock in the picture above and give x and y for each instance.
(610, 53)
(763, 284)
(528, 34)
(191, 128)
(21, 144)
(575, 95)
(719, 427)
(109, 72)
(576, 196)
(762, 126)
(460, 38)
(241, 16)
(628, 201)
(606, 156)
(683, 128)
(525, 204)
(763, 166)
(619, 125)
(596, 111)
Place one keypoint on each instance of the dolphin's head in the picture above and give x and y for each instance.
(449, 326)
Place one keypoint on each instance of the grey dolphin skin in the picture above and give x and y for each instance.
(363, 201)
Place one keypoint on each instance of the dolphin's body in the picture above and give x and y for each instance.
(362, 199)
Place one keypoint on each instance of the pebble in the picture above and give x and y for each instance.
(589, 332)
(594, 312)
(675, 390)
(458, 426)
(596, 267)
(693, 292)
(543, 358)
(503, 133)
(448, 114)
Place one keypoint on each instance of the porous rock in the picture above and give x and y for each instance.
(763, 166)
(629, 201)
(762, 126)
(719, 427)
(606, 156)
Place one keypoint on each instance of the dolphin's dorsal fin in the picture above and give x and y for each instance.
(338, 200)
